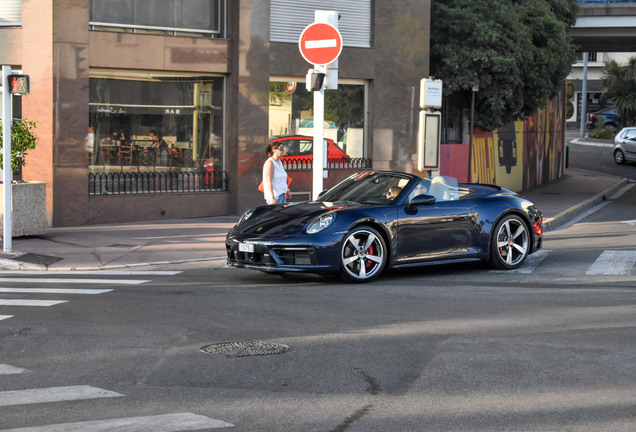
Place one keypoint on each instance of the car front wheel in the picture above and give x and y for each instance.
(619, 157)
(363, 255)
(511, 243)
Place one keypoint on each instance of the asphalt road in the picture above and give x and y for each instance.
(597, 157)
(445, 348)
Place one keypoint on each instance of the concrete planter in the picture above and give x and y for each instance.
(28, 209)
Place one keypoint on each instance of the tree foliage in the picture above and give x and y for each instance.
(22, 140)
(619, 87)
(517, 52)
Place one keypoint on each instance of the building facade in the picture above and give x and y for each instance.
(162, 109)
(596, 62)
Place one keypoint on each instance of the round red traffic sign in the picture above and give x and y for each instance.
(320, 43)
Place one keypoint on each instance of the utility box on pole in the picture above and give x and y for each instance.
(14, 82)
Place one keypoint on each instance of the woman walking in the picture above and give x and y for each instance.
(275, 185)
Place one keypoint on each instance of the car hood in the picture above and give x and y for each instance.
(277, 220)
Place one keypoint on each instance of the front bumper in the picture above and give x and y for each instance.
(282, 257)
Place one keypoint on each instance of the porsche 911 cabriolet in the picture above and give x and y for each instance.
(375, 220)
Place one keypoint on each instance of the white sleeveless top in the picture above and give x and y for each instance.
(279, 179)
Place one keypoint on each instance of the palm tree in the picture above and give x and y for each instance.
(619, 87)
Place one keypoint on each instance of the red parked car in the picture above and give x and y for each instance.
(300, 148)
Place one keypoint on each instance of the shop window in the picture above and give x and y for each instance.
(288, 18)
(156, 123)
(291, 113)
(178, 17)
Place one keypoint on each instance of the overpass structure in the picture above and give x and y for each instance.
(605, 26)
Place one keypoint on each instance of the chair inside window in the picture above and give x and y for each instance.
(125, 153)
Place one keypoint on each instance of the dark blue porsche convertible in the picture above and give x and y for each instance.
(377, 219)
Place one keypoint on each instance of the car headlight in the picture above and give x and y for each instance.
(246, 215)
(321, 223)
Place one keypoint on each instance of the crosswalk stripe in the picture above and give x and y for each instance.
(74, 281)
(4, 317)
(53, 394)
(613, 263)
(54, 290)
(21, 302)
(530, 265)
(159, 423)
(6, 369)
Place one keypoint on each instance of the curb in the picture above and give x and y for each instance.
(592, 143)
(11, 265)
(552, 223)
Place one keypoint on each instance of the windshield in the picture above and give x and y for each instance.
(369, 187)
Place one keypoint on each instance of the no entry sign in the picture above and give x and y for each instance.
(320, 43)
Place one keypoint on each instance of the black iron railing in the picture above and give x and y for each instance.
(332, 163)
(128, 183)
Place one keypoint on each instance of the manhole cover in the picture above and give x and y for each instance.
(37, 259)
(245, 349)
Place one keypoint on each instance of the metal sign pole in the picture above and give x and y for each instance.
(319, 132)
(7, 114)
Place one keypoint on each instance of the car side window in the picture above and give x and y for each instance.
(306, 148)
(630, 134)
(291, 147)
(441, 187)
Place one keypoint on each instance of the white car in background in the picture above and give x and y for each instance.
(625, 145)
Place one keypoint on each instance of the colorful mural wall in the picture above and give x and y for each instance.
(518, 156)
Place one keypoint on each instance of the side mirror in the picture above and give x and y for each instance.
(422, 200)
(321, 194)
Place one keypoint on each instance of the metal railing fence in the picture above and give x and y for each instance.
(129, 183)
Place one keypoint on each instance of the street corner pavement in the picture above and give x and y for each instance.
(572, 195)
(116, 246)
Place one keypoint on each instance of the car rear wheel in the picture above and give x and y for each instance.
(619, 156)
(511, 243)
(363, 255)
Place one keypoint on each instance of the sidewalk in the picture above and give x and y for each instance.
(125, 245)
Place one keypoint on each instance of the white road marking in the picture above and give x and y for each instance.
(53, 394)
(54, 290)
(3, 317)
(530, 265)
(21, 302)
(159, 423)
(74, 281)
(613, 263)
(6, 369)
(321, 43)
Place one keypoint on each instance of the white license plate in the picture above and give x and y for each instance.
(246, 247)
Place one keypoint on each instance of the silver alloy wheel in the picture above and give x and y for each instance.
(619, 157)
(511, 244)
(363, 255)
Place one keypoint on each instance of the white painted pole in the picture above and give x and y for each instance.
(319, 131)
(320, 153)
(7, 115)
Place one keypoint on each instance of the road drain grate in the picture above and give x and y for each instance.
(245, 349)
(32, 258)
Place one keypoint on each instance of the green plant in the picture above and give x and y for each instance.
(22, 140)
(601, 131)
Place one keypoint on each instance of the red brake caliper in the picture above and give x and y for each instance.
(369, 263)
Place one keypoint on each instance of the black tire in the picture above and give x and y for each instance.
(510, 243)
(363, 255)
(619, 156)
